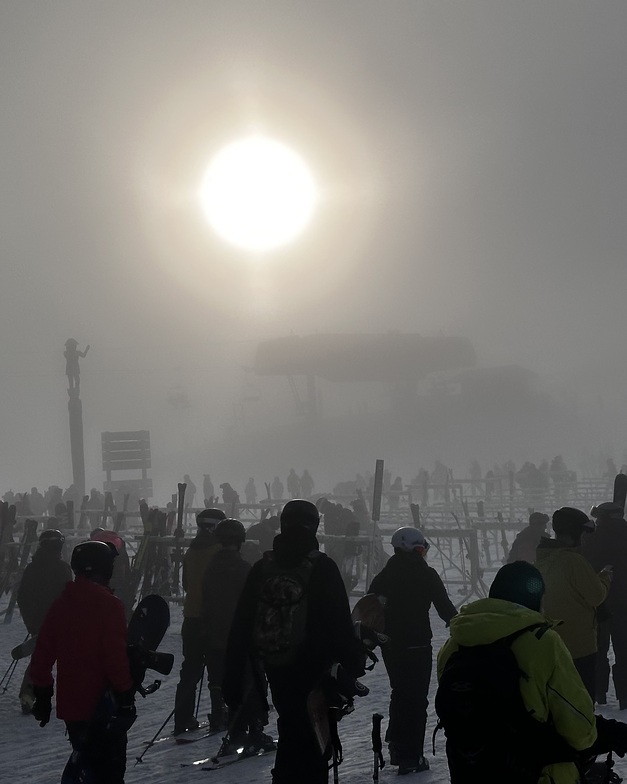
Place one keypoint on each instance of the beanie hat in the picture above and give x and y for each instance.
(300, 513)
(519, 582)
(538, 518)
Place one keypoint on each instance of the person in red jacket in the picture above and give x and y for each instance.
(84, 632)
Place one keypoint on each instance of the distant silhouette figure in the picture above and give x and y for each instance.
(306, 485)
(229, 495)
(293, 484)
(475, 476)
(277, 489)
(190, 490)
(208, 490)
(250, 491)
(72, 368)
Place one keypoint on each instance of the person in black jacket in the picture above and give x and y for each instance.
(222, 586)
(328, 638)
(607, 546)
(42, 582)
(407, 588)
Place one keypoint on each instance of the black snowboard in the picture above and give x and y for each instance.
(146, 629)
(24, 649)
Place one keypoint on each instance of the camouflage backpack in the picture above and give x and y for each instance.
(281, 616)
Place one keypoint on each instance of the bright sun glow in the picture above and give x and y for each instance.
(258, 194)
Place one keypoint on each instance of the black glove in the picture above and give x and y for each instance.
(42, 707)
(125, 712)
(611, 736)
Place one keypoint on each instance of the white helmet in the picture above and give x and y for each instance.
(408, 539)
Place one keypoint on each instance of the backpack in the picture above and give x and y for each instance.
(490, 736)
(281, 615)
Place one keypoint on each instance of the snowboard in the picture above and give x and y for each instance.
(24, 649)
(318, 710)
(146, 629)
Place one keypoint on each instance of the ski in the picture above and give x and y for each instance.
(217, 763)
(200, 733)
(189, 736)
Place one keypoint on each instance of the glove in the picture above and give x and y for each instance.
(42, 707)
(125, 711)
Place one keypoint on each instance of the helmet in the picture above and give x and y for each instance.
(230, 531)
(519, 582)
(93, 560)
(407, 539)
(300, 513)
(51, 539)
(209, 518)
(109, 537)
(607, 509)
(570, 521)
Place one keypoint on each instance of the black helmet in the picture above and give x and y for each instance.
(569, 521)
(230, 531)
(607, 509)
(519, 582)
(300, 513)
(209, 518)
(93, 560)
(51, 539)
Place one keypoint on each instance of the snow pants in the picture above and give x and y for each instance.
(409, 671)
(194, 663)
(104, 752)
(615, 630)
(298, 757)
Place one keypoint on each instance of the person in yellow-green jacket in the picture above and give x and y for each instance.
(574, 590)
(556, 716)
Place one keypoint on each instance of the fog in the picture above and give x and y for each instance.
(471, 162)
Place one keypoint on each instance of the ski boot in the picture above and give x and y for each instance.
(219, 716)
(187, 726)
(406, 766)
(258, 740)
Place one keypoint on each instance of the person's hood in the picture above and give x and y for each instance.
(488, 620)
(610, 526)
(81, 589)
(407, 563)
(291, 546)
(203, 540)
(550, 549)
(43, 554)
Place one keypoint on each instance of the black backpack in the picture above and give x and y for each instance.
(490, 735)
(281, 616)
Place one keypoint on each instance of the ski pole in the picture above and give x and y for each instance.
(202, 682)
(9, 672)
(156, 735)
(379, 762)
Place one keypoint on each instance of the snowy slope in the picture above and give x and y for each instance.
(29, 753)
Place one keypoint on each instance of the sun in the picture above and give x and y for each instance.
(258, 194)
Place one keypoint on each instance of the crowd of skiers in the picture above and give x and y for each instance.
(531, 658)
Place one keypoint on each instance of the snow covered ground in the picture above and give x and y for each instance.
(29, 753)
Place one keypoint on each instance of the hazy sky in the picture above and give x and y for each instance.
(470, 156)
